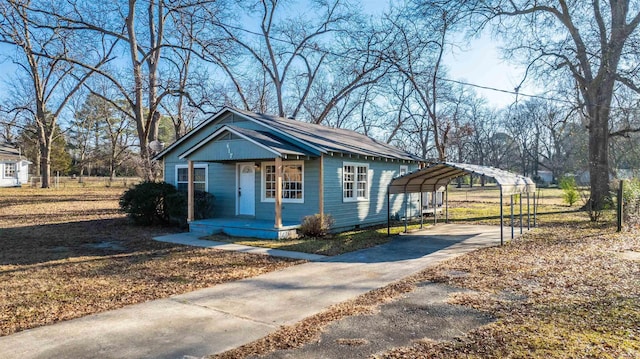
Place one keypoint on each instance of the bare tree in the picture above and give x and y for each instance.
(142, 27)
(420, 45)
(593, 42)
(44, 55)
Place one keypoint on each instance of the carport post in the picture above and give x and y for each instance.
(535, 210)
(421, 214)
(435, 213)
(446, 203)
(388, 212)
(520, 195)
(501, 217)
(528, 212)
(405, 210)
(512, 216)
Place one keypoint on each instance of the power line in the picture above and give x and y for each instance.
(344, 56)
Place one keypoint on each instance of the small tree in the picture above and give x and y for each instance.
(569, 190)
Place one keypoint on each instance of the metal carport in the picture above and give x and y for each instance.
(436, 177)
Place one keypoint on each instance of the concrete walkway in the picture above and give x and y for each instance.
(225, 316)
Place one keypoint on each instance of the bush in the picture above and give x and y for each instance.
(570, 190)
(314, 226)
(203, 204)
(177, 208)
(146, 204)
(631, 208)
(160, 202)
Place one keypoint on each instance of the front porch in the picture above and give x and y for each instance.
(243, 227)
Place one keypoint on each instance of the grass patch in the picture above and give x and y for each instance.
(330, 246)
(69, 252)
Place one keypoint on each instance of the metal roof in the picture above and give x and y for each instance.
(436, 176)
(9, 152)
(320, 138)
(330, 139)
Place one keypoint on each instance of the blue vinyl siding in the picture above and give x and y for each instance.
(292, 212)
(364, 212)
(222, 184)
(227, 150)
(222, 181)
(172, 157)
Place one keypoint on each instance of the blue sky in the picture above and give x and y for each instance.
(479, 64)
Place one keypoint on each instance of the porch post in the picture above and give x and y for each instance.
(278, 200)
(321, 189)
(190, 195)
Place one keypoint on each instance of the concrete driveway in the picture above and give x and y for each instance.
(225, 316)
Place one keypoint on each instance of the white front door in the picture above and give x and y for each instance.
(246, 189)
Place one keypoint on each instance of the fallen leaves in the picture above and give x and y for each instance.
(69, 253)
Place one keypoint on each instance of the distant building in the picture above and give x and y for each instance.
(544, 177)
(14, 168)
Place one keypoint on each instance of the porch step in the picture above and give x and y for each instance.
(242, 228)
(203, 229)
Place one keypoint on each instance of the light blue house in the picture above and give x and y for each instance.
(267, 173)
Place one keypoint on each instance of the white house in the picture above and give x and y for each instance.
(14, 168)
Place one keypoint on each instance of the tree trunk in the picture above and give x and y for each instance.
(45, 164)
(599, 160)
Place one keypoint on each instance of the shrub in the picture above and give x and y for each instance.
(203, 204)
(145, 203)
(569, 190)
(315, 226)
(176, 206)
(177, 203)
(160, 202)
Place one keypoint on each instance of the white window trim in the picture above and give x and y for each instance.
(195, 165)
(355, 186)
(15, 170)
(405, 168)
(263, 182)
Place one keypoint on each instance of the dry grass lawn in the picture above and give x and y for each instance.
(69, 252)
(569, 289)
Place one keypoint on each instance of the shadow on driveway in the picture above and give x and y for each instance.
(402, 248)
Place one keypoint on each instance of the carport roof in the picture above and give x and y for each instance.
(436, 176)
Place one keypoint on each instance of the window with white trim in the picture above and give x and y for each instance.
(199, 177)
(292, 182)
(404, 169)
(355, 182)
(9, 170)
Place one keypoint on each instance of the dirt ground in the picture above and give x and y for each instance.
(423, 314)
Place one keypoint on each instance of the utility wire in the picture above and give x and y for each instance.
(345, 56)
